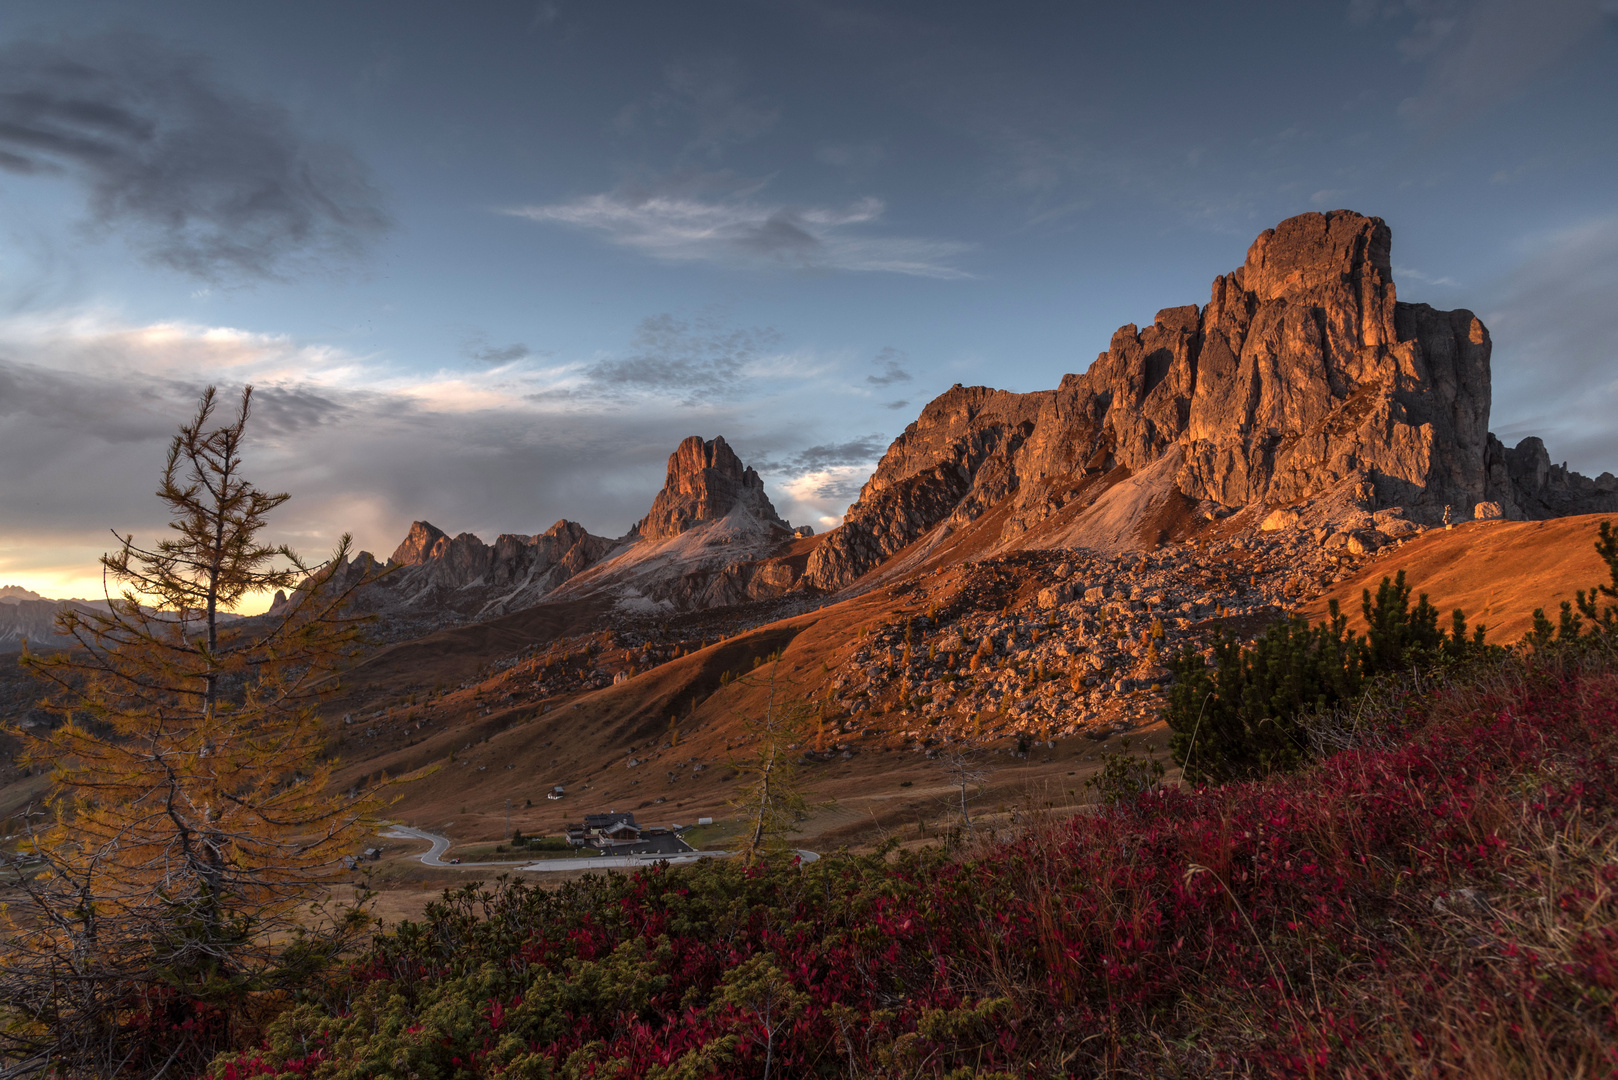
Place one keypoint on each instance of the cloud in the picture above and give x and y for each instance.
(205, 181)
(479, 348)
(1556, 346)
(889, 359)
(895, 404)
(863, 450)
(740, 230)
(88, 403)
(828, 491)
(695, 361)
(1478, 54)
(1412, 274)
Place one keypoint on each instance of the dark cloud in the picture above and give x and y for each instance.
(890, 360)
(480, 349)
(695, 361)
(829, 455)
(206, 181)
(287, 410)
(844, 489)
(894, 404)
(84, 450)
(841, 481)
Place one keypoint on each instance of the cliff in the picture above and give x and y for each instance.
(1303, 383)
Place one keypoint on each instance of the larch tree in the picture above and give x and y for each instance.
(190, 822)
(772, 803)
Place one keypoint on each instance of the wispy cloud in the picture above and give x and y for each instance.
(205, 181)
(1412, 274)
(891, 361)
(741, 230)
(1478, 53)
(695, 361)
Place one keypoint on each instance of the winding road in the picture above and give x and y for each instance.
(440, 844)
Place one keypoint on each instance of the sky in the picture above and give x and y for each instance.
(486, 263)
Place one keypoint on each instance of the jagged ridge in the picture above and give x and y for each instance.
(1303, 382)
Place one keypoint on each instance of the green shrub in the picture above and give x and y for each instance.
(1241, 716)
(1124, 776)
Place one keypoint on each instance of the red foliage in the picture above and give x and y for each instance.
(1444, 899)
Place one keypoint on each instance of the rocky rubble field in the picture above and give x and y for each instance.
(1049, 644)
(1008, 649)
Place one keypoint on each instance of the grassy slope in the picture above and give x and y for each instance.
(1498, 572)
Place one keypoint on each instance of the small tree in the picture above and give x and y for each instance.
(189, 805)
(1242, 716)
(773, 803)
(1603, 616)
(962, 762)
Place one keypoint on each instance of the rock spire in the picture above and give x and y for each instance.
(706, 481)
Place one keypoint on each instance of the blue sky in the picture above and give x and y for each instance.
(487, 263)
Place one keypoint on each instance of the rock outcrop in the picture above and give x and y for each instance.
(544, 560)
(1303, 382)
(706, 481)
(712, 538)
(437, 580)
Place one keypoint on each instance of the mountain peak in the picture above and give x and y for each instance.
(705, 482)
(417, 546)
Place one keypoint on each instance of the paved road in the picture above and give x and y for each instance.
(440, 844)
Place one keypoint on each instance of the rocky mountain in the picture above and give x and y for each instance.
(27, 615)
(1303, 385)
(706, 481)
(712, 537)
(1304, 394)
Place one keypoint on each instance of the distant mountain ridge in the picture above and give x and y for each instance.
(26, 615)
(711, 537)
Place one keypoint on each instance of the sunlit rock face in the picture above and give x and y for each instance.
(711, 538)
(1304, 380)
(706, 481)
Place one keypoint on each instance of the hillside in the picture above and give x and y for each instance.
(1498, 572)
